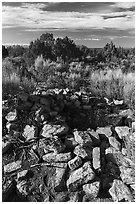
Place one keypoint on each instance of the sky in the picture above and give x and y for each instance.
(87, 23)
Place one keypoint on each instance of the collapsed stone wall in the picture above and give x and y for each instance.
(59, 145)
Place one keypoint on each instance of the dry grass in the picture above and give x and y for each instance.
(114, 84)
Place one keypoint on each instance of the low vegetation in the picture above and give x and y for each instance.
(107, 72)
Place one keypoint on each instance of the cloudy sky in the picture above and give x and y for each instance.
(89, 23)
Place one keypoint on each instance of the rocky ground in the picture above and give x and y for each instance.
(62, 146)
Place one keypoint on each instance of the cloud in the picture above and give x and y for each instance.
(32, 17)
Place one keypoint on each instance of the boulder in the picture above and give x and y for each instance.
(105, 131)
(80, 177)
(83, 138)
(30, 132)
(96, 158)
(75, 163)
(92, 189)
(83, 152)
(13, 166)
(54, 157)
(120, 192)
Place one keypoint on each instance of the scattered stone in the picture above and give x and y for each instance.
(30, 132)
(80, 177)
(13, 166)
(92, 188)
(122, 131)
(119, 191)
(49, 130)
(96, 158)
(83, 152)
(54, 157)
(11, 116)
(105, 131)
(83, 138)
(114, 143)
(75, 163)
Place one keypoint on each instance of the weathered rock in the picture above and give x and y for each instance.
(92, 188)
(122, 131)
(119, 191)
(70, 142)
(54, 157)
(83, 152)
(114, 143)
(83, 138)
(13, 166)
(54, 177)
(51, 145)
(30, 132)
(6, 146)
(117, 157)
(127, 175)
(75, 163)
(95, 137)
(96, 158)
(80, 177)
(49, 130)
(11, 116)
(105, 131)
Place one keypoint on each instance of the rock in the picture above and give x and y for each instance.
(117, 157)
(83, 152)
(80, 177)
(92, 189)
(30, 132)
(6, 146)
(75, 196)
(119, 191)
(114, 143)
(95, 137)
(70, 142)
(75, 163)
(127, 174)
(133, 126)
(83, 138)
(22, 188)
(31, 158)
(11, 116)
(13, 166)
(105, 131)
(126, 113)
(122, 131)
(96, 158)
(54, 176)
(49, 130)
(25, 175)
(51, 145)
(54, 157)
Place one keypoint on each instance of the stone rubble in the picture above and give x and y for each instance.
(65, 146)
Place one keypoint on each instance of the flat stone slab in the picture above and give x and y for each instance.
(105, 131)
(120, 191)
(114, 143)
(92, 188)
(122, 131)
(127, 175)
(13, 166)
(80, 177)
(83, 152)
(96, 158)
(53, 157)
(30, 132)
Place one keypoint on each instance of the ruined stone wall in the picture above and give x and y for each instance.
(63, 146)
